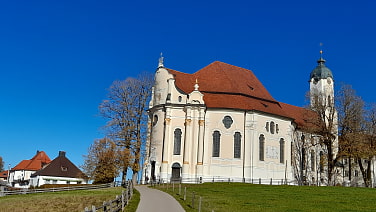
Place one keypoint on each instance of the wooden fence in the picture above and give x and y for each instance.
(68, 188)
(115, 205)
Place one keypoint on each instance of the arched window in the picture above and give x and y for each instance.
(261, 147)
(216, 143)
(281, 150)
(267, 126)
(272, 127)
(237, 145)
(177, 141)
(312, 160)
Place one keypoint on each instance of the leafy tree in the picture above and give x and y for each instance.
(101, 162)
(125, 108)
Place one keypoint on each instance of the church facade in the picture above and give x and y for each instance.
(221, 123)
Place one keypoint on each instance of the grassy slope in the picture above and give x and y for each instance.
(247, 197)
(62, 201)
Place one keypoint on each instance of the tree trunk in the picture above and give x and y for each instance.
(134, 177)
(124, 178)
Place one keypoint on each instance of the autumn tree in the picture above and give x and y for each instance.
(1, 164)
(351, 126)
(126, 111)
(101, 163)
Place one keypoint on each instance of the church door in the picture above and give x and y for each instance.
(175, 172)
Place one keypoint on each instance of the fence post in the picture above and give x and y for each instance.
(271, 181)
(193, 200)
(199, 205)
(104, 206)
(185, 193)
(93, 208)
(173, 187)
(126, 197)
(179, 189)
(259, 180)
(86, 209)
(122, 201)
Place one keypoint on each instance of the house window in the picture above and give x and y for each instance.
(281, 150)
(216, 143)
(68, 182)
(312, 160)
(261, 147)
(272, 127)
(64, 169)
(237, 145)
(177, 141)
(54, 182)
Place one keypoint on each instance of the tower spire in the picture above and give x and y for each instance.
(160, 64)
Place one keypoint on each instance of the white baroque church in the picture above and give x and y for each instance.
(221, 123)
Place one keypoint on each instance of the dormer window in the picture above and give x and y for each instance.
(64, 169)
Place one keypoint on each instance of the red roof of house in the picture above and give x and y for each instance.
(37, 162)
(4, 174)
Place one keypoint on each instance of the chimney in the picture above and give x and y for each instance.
(61, 154)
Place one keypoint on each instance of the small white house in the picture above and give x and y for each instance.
(19, 176)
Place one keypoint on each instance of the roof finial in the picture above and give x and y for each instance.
(196, 85)
(321, 60)
(160, 65)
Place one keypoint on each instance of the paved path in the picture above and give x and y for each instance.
(156, 201)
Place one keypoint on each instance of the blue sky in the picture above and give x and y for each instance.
(57, 58)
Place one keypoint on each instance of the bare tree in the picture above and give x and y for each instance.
(323, 124)
(126, 111)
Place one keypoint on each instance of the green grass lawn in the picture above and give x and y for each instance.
(63, 201)
(248, 197)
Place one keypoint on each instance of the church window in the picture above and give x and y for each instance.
(180, 98)
(312, 160)
(261, 147)
(237, 145)
(321, 161)
(303, 158)
(281, 150)
(155, 120)
(272, 127)
(216, 143)
(276, 128)
(356, 173)
(267, 127)
(227, 121)
(177, 141)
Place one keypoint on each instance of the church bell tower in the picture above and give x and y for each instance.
(321, 84)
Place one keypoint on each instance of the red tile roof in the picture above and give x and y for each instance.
(37, 162)
(232, 87)
(4, 174)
